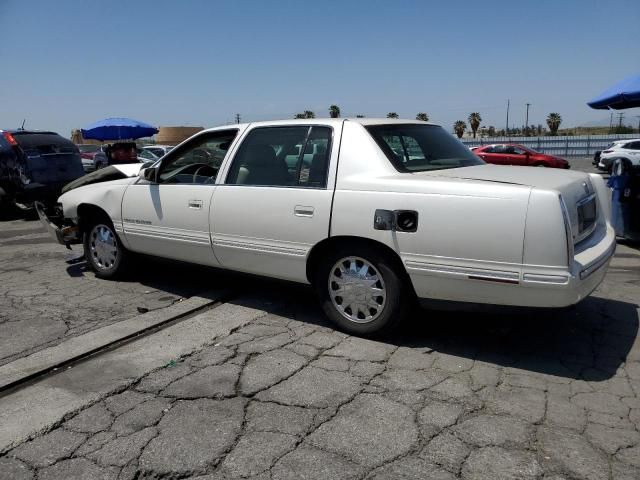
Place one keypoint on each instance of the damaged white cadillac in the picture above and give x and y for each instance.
(372, 213)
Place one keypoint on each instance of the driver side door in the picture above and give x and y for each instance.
(169, 217)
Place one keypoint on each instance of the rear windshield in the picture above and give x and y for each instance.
(44, 143)
(419, 148)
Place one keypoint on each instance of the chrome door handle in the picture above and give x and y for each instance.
(195, 204)
(301, 211)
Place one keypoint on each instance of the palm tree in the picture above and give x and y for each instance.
(553, 121)
(422, 116)
(305, 114)
(392, 115)
(334, 111)
(459, 127)
(474, 121)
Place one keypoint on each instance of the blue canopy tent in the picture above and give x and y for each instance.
(118, 129)
(624, 94)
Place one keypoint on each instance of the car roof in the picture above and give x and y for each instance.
(335, 122)
(21, 131)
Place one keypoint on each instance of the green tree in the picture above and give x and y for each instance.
(459, 127)
(553, 122)
(422, 116)
(392, 115)
(334, 111)
(474, 122)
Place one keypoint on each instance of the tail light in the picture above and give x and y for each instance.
(9, 138)
(567, 229)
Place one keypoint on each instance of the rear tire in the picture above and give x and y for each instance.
(103, 250)
(361, 290)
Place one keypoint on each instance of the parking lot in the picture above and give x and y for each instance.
(253, 382)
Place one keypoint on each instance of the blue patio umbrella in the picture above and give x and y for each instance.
(624, 94)
(118, 129)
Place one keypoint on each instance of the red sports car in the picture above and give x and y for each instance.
(514, 154)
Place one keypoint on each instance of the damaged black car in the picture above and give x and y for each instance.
(34, 166)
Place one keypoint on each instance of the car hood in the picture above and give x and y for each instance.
(107, 174)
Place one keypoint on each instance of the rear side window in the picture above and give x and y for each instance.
(44, 143)
(418, 148)
(283, 156)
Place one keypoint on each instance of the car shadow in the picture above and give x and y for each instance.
(589, 341)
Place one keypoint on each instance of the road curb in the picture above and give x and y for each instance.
(27, 368)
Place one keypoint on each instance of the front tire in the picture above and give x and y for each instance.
(361, 291)
(103, 250)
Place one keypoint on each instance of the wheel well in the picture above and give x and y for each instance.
(86, 212)
(320, 249)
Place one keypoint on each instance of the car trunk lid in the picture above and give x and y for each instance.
(575, 188)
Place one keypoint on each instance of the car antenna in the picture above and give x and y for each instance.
(22, 127)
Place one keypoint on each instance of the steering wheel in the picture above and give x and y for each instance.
(202, 166)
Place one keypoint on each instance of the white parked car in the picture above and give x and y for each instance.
(370, 212)
(628, 149)
(158, 150)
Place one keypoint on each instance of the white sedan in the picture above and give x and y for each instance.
(372, 213)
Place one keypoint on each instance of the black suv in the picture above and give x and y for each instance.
(34, 166)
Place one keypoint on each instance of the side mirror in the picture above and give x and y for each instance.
(148, 174)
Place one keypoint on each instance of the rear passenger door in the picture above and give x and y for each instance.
(275, 201)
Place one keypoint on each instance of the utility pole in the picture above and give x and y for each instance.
(526, 122)
(620, 117)
(508, 101)
(611, 123)
(237, 118)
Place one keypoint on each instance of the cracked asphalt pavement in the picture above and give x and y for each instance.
(45, 300)
(532, 395)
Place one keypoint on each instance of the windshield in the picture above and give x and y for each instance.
(419, 148)
(147, 155)
(85, 148)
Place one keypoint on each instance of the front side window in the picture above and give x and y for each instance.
(197, 161)
(419, 148)
(283, 156)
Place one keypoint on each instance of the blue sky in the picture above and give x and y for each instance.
(65, 64)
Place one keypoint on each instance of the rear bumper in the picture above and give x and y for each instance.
(64, 235)
(539, 287)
